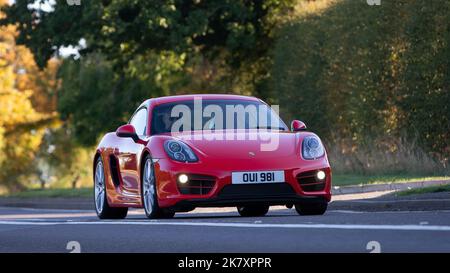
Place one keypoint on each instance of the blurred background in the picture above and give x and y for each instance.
(372, 80)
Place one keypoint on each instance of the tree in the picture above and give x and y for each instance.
(150, 48)
(21, 125)
(363, 76)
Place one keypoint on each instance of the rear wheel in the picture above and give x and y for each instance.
(149, 195)
(253, 210)
(311, 209)
(102, 208)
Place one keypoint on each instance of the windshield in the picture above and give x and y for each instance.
(195, 115)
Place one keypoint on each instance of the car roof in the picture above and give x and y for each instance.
(168, 99)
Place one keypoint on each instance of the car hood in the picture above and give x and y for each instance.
(242, 144)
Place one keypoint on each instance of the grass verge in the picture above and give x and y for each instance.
(348, 180)
(338, 180)
(431, 189)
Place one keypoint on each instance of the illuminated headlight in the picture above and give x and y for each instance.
(182, 178)
(179, 151)
(312, 148)
(321, 175)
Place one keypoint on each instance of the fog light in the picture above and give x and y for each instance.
(182, 178)
(321, 175)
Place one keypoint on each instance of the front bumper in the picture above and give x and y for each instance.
(242, 195)
(224, 193)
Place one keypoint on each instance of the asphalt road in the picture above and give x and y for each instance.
(222, 230)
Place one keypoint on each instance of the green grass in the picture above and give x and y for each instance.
(431, 189)
(46, 193)
(338, 180)
(347, 180)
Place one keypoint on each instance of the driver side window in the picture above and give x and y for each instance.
(139, 121)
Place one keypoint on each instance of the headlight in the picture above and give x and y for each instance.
(312, 148)
(179, 151)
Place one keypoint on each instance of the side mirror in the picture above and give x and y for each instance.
(297, 125)
(127, 130)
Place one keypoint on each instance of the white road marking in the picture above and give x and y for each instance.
(346, 211)
(386, 211)
(239, 225)
(200, 211)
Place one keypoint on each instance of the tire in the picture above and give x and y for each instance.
(311, 209)
(149, 194)
(253, 210)
(102, 208)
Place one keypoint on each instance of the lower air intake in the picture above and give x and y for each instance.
(197, 184)
(309, 182)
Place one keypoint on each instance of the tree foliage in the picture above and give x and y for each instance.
(353, 72)
(357, 72)
(21, 125)
(140, 48)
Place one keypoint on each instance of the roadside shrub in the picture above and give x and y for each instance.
(360, 74)
(386, 156)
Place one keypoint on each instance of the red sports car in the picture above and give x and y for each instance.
(181, 152)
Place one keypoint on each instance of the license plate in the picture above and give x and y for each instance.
(257, 177)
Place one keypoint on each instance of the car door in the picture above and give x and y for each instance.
(129, 153)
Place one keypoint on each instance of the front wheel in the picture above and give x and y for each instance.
(148, 193)
(311, 209)
(102, 208)
(253, 211)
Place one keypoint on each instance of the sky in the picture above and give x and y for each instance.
(64, 52)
